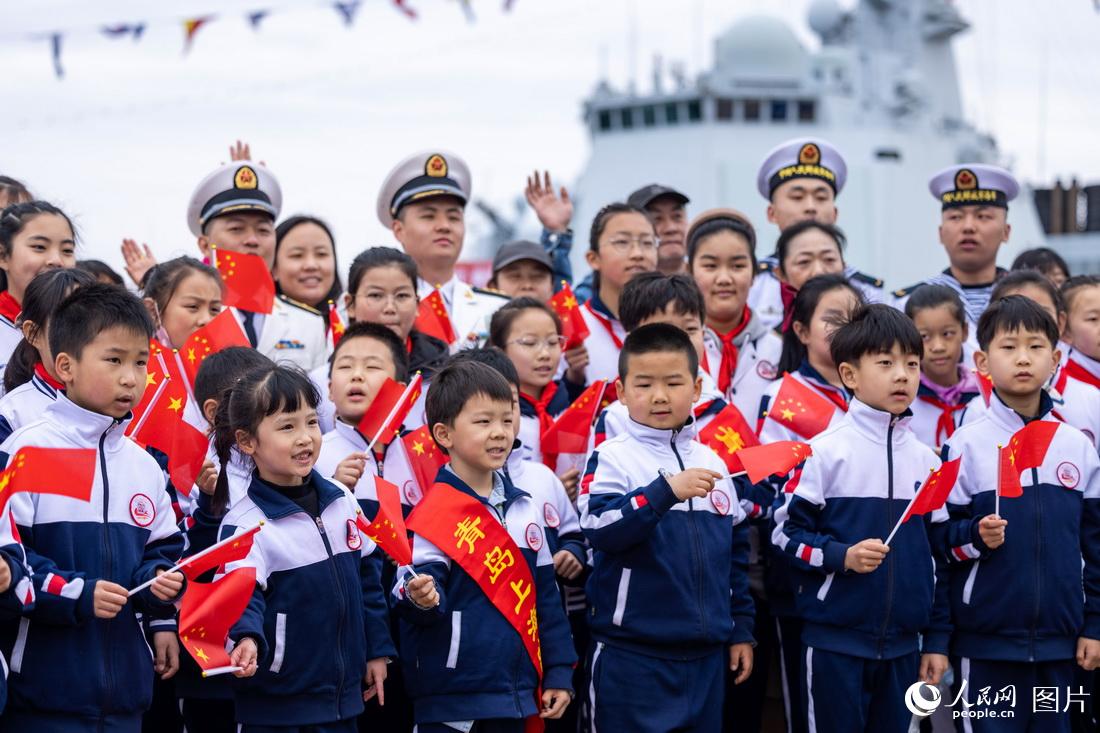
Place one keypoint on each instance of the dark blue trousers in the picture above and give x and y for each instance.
(846, 694)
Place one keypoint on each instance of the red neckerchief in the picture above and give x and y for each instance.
(787, 293)
(728, 367)
(831, 394)
(40, 370)
(1078, 372)
(9, 307)
(545, 419)
(606, 323)
(945, 424)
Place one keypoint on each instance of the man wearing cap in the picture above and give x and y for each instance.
(523, 268)
(423, 202)
(801, 179)
(234, 209)
(973, 226)
(667, 207)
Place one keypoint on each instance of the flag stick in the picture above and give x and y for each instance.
(897, 526)
(156, 396)
(734, 475)
(413, 383)
(214, 671)
(192, 558)
(183, 373)
(997, 496)
(410, 566)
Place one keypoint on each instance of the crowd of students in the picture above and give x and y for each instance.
(637, 583)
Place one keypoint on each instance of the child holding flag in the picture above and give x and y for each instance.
(1025, 550)
(864, 604)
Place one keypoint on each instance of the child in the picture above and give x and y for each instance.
(317, 622)
(741, 351)
(86, 555)
(947, 382)
(523, 269)
(34, 236)
(1081, 295)
(862, 621)
(182, 296)
(30, 383)
(1024, 584)
(622, 244)
(529, 333)
(470, 657)
(1046, 261)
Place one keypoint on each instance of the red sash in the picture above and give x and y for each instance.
(463, 528)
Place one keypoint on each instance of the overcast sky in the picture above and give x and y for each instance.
(121, 141)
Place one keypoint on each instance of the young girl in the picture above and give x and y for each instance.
(623, 242)
(947, 382)
(529, 333)
(305, 263)
(805, 250)
(741, 352)
(182, 296)
(30, 382)
(1081, 294)
(34, 236)
(317, 623)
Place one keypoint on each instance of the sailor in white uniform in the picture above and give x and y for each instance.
(234, 208)
(423, 201)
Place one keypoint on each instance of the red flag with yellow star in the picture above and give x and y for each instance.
(387, 529)
(247, 280)
(985, 386)
(61, 471)
(569, 433)
(573, 326)
(425, 458)
(780, 457)
(433, 320)
(933, 494)
(336, 326)
(161, 407)
(382, 421)
(1026, 449)
(228, 550)
(154, 379)
(208, 611)
(800, 408)
(221, 332)
(726, 434)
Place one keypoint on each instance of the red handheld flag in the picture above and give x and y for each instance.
(433, 320)
(154, 382)
(569, 433)
(779, 457)
(573, 326)
(336, 326)
(382, 421)
(727, 434)
(220, 333)
(985, 386)
(247, 279)
(800, 408)
(424, 455)
(61, 471)
(208, 611)
(1026, 449)
(387, 529)
(933, 494)
(228, 550)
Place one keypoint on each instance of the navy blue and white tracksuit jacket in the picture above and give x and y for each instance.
(62, 658)
(862, 475)
(389, 462)
(530, 429)
(27, 402)
(462, 659)
(318, 613)
(1031, 598)
(670, 577)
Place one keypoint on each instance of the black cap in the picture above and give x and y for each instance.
(521, 250)
(646, 195)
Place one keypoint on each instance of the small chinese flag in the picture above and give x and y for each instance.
(800, 408)
(62, 471)
(387, 530)
(221, 332)
(433, 320)
(726, 434)
(155, 374)
(933, 494)
(188, 453)
(382, 421)
(780, 457)
(190, 28)
(228, 550)
(985, 386)
(336, 326)
(1026, 449)
(573, 326)
(569, 433)
(209, 610)
(247, 280)
(425, 458)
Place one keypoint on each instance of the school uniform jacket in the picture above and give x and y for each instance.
(62, 658)
(857, 484)
(318, 613)
(563, 529)
(293, 333)
(758, 354)
(462, 659)
(389, 463)
(1032, 597)
(530, 428)
(605, 340)
(1084, 369)
(10, 336)
(1075, 403)
(27, 402)
(670, 576)
(470, 310)
(18, 599)
(766, 299)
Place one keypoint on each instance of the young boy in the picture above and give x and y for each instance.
(1025, 585)
(79, 661)
(670, 604)
(477, 640)
(865, 605)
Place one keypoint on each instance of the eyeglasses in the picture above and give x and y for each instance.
(622, 245)
(533, 344)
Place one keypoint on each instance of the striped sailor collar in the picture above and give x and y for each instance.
(86, 426)
(276, 505)
(658, 437)
(1011, 420)
(875, 423)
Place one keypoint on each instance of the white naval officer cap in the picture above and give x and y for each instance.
(974, 184)
(238, 186)
(801, 158)
(422, 175)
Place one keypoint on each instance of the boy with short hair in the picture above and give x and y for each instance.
(482, 628)
(1025, 585)
(866, 605)
(669, 597)
(79, 660)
